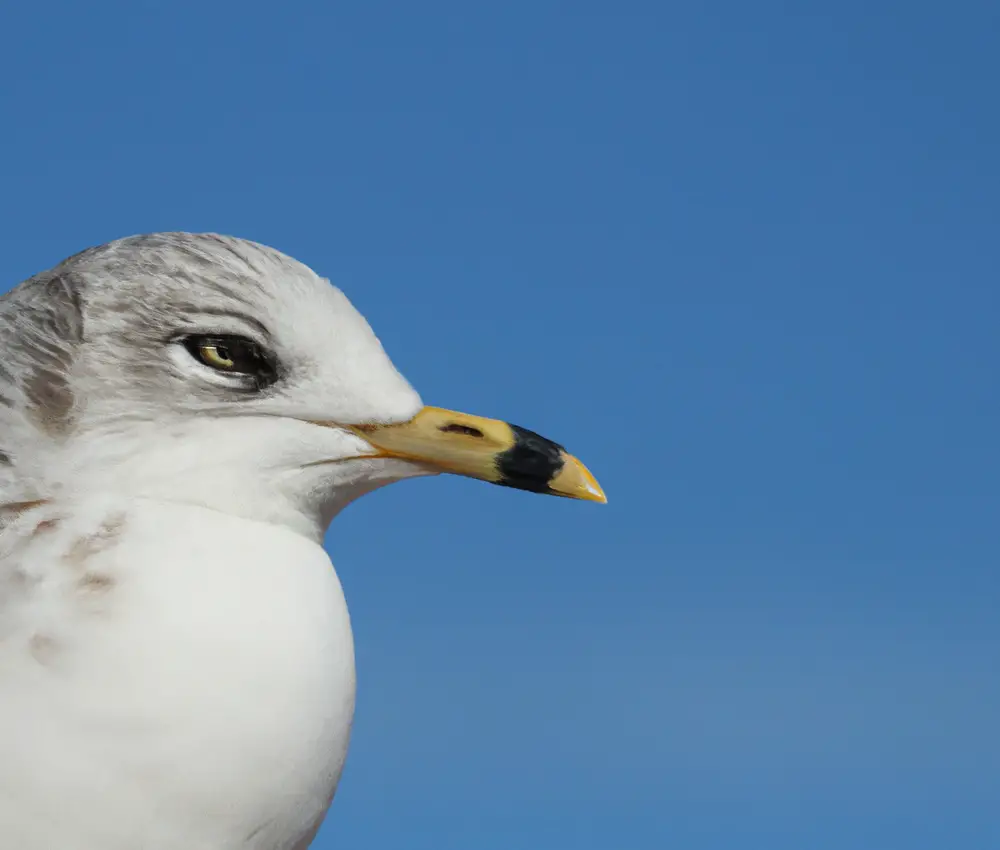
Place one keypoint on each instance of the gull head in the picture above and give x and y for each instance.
(214, 371)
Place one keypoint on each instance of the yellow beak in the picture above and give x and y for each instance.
(488, 449)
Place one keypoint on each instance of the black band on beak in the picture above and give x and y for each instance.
(531, 463)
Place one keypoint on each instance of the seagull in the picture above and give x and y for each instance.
(181, 417)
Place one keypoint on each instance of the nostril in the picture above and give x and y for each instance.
(455, 428)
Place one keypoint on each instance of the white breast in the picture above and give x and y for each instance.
(174, 677)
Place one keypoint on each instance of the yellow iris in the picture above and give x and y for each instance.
(216, 356)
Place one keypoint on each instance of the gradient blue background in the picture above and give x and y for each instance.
(741, 257)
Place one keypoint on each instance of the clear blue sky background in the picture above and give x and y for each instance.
(741, 257)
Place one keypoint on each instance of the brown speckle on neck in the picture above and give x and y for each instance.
(92, 582)
(43, 648)
(103, 538)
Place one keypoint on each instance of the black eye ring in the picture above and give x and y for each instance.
(234, 355)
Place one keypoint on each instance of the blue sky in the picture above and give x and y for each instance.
(742, 258)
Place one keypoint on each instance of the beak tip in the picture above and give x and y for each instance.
(577, 482)
(596, 495)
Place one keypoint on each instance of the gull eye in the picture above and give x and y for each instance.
(234, 355)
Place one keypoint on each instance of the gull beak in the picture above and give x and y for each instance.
(487, 449)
